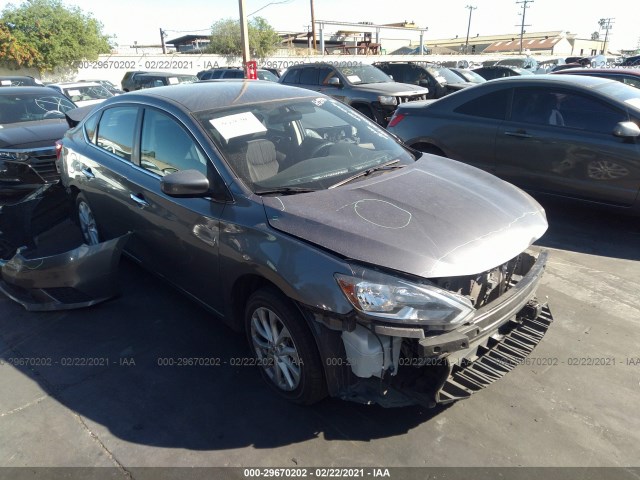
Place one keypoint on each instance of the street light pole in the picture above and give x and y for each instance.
(466, 45)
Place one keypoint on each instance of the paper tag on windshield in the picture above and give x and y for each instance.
(237, 125)
(73, 93)
(172, 80)
(5, 83)
(353, 78)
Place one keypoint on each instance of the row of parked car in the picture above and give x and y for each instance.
(352, 228)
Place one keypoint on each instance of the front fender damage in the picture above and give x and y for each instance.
(80, 277)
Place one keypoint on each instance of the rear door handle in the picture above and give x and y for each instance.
(141, 202)
(519, 134)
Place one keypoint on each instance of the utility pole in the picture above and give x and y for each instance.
(313, 28)
(244, 35)
(605, 24)
(522, 25)
(162, 35)
(466, 45)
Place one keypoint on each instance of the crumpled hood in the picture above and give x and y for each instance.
(41, 133)
(436, 218)
(392, 88)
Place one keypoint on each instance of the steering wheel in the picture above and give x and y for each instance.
(319, 148)
(53, 114)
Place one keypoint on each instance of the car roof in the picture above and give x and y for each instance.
(164, 74)
(212, 94)
(586, 71)
(76, 84)
(582, 80)
(27, 89)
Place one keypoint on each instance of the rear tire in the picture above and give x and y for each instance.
(284, 348)
(86, 221)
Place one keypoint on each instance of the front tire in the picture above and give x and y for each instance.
(284, 348)
(86, 221)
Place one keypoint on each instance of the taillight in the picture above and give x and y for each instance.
(58, 149)
(396, 119)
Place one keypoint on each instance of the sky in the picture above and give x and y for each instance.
(141, 20)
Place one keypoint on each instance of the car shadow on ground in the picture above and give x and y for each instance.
(590, 230)
(153, 368)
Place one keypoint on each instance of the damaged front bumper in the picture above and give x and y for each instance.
(81, 277)
(416, 366)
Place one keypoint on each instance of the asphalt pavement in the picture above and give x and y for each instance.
(95, 387)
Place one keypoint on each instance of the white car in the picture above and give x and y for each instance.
(83, 93)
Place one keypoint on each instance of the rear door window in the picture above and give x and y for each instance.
(492, 105)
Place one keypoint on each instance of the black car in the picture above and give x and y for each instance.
(127, 81)
(156, 79)
(631, 61)
(501, 71)
(439, 80)
(345, 258)
(628, 76)
(572, 136)
(31, 121)
(364, 87)
(19, 81)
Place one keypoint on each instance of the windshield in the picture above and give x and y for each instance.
(362, 74)
(449, 76)
(470, 76)
(16, 108)
(299, 144)
(89, 92)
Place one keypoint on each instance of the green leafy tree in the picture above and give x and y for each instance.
(60, 35)
(225, 38)
(13, 53)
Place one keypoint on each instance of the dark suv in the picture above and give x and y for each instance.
(365, 87)
(439, 80)
(138, 80)
(235, 72)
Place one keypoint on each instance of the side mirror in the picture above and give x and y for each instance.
(185, 183)
(334, 82)
(626, 130)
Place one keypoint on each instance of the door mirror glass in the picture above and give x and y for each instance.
(334, 82)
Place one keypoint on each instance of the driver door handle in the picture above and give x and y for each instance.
(141, 202)
(519, 134)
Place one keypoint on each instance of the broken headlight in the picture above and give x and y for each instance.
(397, 300)
(13, 155)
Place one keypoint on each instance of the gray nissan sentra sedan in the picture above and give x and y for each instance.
(356, 267)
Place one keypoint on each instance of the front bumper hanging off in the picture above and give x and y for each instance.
(78, 278)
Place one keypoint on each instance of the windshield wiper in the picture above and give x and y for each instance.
(285, 191)
(386, 166)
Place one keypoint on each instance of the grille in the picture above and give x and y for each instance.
(43, 161)
(410, 98)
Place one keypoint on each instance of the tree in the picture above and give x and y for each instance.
(59, 35)
(13, 53)
(225, 38)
